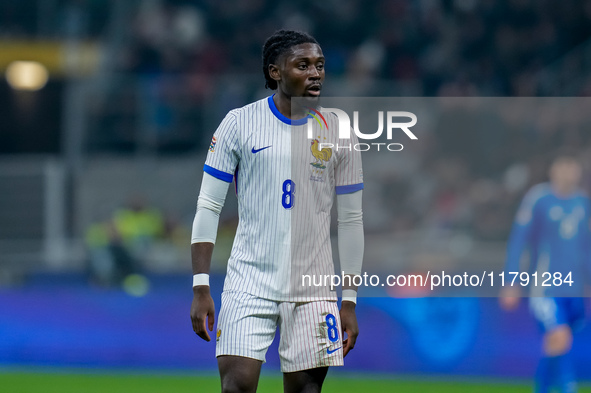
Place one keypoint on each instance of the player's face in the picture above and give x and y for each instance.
(566, 174)
(301, 71)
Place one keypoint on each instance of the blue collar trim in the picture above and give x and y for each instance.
(281, 117)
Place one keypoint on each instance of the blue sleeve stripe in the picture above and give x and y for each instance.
(349, 188)
(227, 177)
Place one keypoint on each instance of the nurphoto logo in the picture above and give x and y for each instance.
(393, 124)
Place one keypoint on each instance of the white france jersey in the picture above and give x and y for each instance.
(285, 184)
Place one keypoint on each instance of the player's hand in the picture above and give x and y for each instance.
(349, 326)
(202, 309)
(509, 298)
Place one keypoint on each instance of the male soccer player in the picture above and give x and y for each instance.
(553, 223)
(285, 185)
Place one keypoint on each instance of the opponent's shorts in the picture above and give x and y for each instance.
(310, 332)
(550, 312)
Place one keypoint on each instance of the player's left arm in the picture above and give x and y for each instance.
(349, 186)
(587, 247)
(350, 244)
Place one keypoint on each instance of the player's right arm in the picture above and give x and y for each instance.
(220, 165)
(205, 226)
(519, 240)
(202, 307)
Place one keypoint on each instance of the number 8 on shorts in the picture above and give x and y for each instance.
(333, 332)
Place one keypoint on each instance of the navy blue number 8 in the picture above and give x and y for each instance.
(333, 332)
(288, 191)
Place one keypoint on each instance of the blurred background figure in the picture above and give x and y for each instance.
(138, 225)
(109, 260)
(116, 246)
(553, 225)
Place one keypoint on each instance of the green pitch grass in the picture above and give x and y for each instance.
(28, 382)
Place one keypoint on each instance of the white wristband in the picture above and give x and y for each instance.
(350, 295)
(200, 279)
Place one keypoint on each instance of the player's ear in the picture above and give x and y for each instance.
(274, 72)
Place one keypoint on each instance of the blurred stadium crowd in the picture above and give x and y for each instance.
(447, 47)
(492, 48)
(174, 67)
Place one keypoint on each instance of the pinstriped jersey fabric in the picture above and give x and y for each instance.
(321, 166)
(285, 188)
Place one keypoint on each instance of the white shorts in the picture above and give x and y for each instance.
(310, 332)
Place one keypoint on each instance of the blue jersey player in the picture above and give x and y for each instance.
(552, 224)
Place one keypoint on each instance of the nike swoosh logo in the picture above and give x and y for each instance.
(254, 151)
(328, 351)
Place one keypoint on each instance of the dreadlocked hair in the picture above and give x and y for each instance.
(276, 45)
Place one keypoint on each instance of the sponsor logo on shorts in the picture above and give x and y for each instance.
(328, 351)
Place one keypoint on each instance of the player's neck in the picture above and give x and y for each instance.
(563, 190)
(283, 105)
